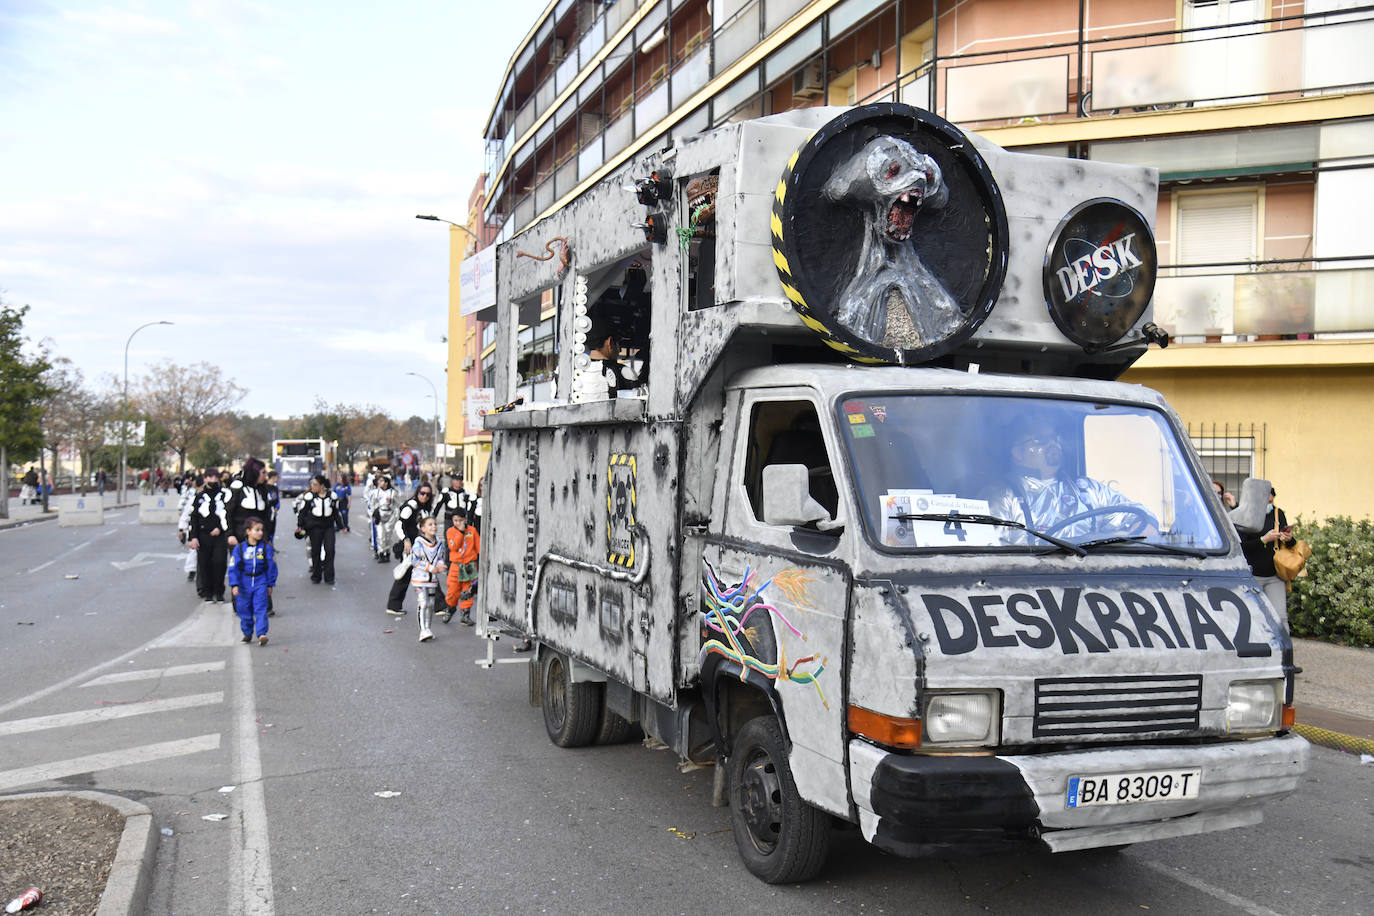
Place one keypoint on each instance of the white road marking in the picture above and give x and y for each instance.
(171, 634)
(41, 567)
(59, 769)
(1240, 903)
(152, 674)
(250, 868)
(105, 713)
(210, 626)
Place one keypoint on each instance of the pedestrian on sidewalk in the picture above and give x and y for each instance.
(426, 568)
(252, 573)
(28, 492)
(1259, 553)
(464, 545)
(101, 478)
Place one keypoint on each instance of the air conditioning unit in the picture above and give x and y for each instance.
(809, 81)
(467, 364)
(556, 50)
(589, 126)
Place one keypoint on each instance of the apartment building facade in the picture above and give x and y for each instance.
(1259, 115)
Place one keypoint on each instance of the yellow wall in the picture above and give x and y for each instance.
(1318, 438)
(456, 379)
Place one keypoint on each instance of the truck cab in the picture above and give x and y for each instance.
(862, 519)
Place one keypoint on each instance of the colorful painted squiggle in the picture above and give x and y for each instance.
(727, 611)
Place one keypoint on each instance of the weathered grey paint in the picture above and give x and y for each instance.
(856, 615)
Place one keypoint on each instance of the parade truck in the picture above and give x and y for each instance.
(298, 460)
(837, 492)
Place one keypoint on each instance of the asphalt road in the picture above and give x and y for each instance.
(490, 817)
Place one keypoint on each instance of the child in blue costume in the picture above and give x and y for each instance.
(252, 573)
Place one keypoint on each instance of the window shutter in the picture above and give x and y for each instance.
(1218, 228)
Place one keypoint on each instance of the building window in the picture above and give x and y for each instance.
(1217, 228)
(1229, 452)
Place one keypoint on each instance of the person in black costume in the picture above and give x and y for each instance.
(420, 506)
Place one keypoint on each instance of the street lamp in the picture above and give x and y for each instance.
(436, 412)
(440, 219)
(124, 413)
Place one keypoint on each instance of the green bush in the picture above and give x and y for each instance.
(1335, 600)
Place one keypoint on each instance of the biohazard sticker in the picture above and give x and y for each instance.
(621, 499)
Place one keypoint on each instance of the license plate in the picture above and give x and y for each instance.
(1130, 788)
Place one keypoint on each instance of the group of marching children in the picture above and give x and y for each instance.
(228, 530)
(409, 530)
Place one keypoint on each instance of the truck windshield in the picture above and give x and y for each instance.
(1093, 474)
(297, 465)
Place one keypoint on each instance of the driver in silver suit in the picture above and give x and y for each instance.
(1040, 493)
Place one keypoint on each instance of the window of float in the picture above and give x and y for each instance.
(698, 200)
(537, 350)
(612, 300)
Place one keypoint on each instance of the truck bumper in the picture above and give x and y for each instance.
(913, 805)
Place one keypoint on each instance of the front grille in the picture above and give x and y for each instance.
(1077, 706)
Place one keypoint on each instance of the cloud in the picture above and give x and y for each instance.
(116, 23)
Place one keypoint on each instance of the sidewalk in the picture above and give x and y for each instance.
(25, 514)
(1334, 695)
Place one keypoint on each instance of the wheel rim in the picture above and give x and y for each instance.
(760, 800)
(556, 689)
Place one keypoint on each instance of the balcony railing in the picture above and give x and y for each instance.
(1267, 301)
(1279, 58)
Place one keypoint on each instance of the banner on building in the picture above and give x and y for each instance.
(478, 404)
(477, 281)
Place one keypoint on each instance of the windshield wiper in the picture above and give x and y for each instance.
(1140, 539)
(992, 520)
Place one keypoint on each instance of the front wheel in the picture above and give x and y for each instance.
(781, 838)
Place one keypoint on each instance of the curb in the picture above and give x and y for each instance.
(131, 872)
(1335, 740)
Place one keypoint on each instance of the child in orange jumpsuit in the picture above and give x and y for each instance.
(464, 544)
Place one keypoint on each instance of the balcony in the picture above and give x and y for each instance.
(1282, 58)
(1267, 301)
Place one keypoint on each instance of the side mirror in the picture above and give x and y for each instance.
(787, 496)
(1248, 515)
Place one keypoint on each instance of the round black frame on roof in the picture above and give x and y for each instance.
(1123, 299)
(946, 253)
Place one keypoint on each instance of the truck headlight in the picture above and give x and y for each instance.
(1253, 706)
(960, 717)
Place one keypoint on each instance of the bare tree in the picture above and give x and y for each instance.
(186, 400)
(73, 415)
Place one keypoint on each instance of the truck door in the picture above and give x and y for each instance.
(774, 597)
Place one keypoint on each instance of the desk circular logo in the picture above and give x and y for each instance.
(1099, 272)
(889, 234)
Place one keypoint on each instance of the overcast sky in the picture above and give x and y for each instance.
(250, 171)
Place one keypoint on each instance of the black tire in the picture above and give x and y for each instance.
(781, 838)
(613, 727)
(572, 712)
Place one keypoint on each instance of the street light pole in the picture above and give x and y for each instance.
(439, 219)
(124, 414)
(436, 413)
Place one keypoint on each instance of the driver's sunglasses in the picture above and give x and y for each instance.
(426, 493)
(1040, 442)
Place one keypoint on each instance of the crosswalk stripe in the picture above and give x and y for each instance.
(104, 713)
(152, 674)
(59, 769)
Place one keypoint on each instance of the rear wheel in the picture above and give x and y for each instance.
(613, 727)
(781, 838)
(572, 712)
